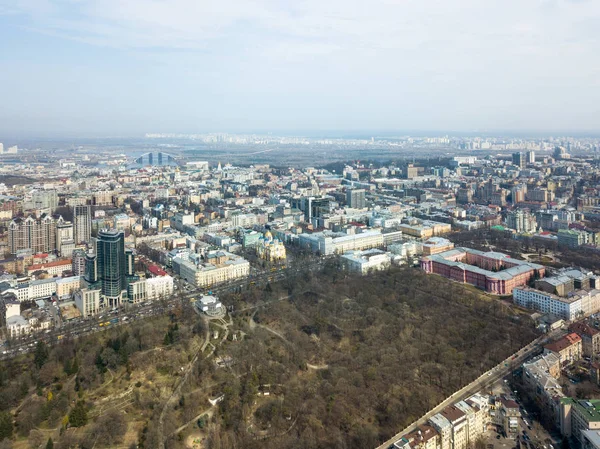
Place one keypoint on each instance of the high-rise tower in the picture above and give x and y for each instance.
(111, 261)
(82, 216)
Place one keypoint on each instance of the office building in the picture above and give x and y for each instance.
(519, 159)
(111, 261)
(327, 242)
(83, 224)
(355, 198)
(65, 244)
(111, 268)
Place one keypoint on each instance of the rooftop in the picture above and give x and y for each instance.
(563, 343)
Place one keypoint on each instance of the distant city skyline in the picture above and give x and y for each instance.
(107, 68)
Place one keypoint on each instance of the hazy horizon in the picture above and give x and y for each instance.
(101, 68)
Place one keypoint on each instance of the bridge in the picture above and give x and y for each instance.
(156, 158)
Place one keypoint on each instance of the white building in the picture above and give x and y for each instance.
(39, 289)
(137, 291)
(218, 267)
(572, 307)
(366, 261)
(12, 309)
(327, 242)
(159, 287)
(210, 305)
(88, 302)
(17, 326)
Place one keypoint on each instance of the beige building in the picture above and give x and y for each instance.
(569, 349)
(435, 245)
(137, 291)
(30, 233)
(424, 437)
(219, 267)
(66, 287)
(590, 337)
(88, 302)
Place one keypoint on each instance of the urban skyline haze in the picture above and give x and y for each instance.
(107, 67)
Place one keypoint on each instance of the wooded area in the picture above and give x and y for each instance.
(319, 360)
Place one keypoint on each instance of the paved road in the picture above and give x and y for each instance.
(132, 312)
(482, 382)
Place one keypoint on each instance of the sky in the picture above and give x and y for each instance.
(127, 67)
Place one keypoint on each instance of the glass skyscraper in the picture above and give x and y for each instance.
(111, 262)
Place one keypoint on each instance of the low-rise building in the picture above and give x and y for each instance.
(55, 268)
(494, 272)
(366, 261)
(210, 305)
(218, 267)
(568, 349)
(435, 245)
(159, 287)
(590, 337)
(577, 305)
(424, 437)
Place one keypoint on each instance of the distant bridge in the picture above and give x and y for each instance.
(156, 158)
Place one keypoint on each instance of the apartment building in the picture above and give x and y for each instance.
(460, 424)
(575, 306)
(590, 337)
(159, 287)
(38, 235)
(507, 416)
(424, 437)
(66, 287)
(568, 349)
(541, 375)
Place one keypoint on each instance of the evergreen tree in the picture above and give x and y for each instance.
(41, 354)
(50, 444)
(67, 367)
(75, 366)
(6, 426)
(78, 416)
